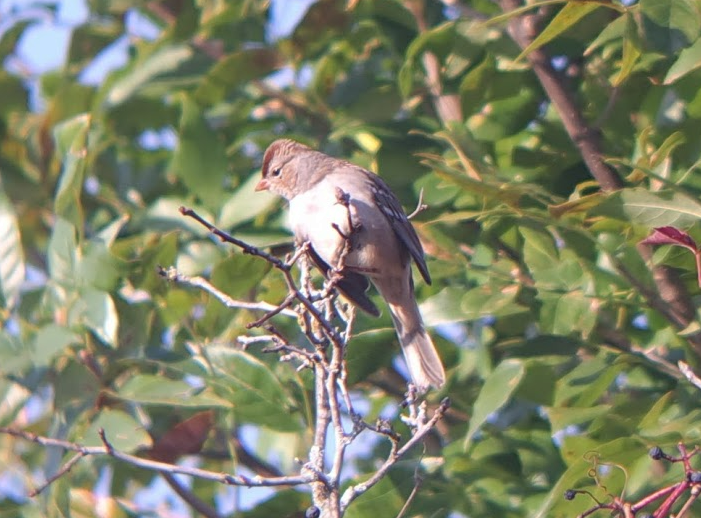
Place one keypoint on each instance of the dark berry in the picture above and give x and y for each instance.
(656, 453)
(570, 494)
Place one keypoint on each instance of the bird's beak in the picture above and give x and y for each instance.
(263, 185)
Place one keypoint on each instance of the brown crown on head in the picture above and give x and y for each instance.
(279, 147)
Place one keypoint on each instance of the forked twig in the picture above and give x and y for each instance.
(420, 205)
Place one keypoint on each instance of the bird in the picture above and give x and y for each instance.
(333, 203)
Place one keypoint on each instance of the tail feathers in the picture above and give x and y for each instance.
(424, 364)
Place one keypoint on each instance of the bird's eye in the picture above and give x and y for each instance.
(276, 172)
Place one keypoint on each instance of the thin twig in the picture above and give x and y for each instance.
(689, 501)
(190, 498)
(161, 467)
(415, 491)
(689, 374)
(62, 471)
(420, 205)
(281, 309)
(355, 491)
(173, 275)
(228, 238)
(284, 267)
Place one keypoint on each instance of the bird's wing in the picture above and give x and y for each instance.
(352, 285)
(392, 209)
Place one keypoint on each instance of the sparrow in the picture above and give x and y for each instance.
(332, 201)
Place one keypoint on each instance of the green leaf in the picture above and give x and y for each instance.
(164, 60)
(96, 310)
(495, 393)
(523, 10)
(11, 255)
(89, 39)
(632, 50)
(444, 307)
(383, 499)
(564, 20)
(59, 499)
(375, 105)
(76, 385)
(652, 209)
(584, 385)
(199, 159)
(538, 384)
(405, 79)
(51, 340)
(164, 216)
(664, 152)
(489, 301)
(13, 93)
(283, 503)
(562, 417)
(98, 266)
(613, 31)
(150, 389)
(61, 254)
(246, 204)
(365, 357)
(15, 356)
(689, 60)
(122, 431)
(12, 35)
(437, 40)
(539, 248)
(670, 26)
(254, 390)
(567, 314)
(71, 143)
(237, 69)
(475, 83)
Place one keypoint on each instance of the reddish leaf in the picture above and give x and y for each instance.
(674, 236)
(670, 236)
(184, 438)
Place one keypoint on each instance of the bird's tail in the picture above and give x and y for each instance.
(424, 364)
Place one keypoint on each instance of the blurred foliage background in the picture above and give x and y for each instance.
(548, 140)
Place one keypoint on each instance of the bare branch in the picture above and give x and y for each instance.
(173, 275)
(228, 238)
(689, 374)
(282, 266)
(317, 313)
(671, 297)
(188, 496)
(281, 309)
(355, 491)
(415, 490)
(447, 106)
(62, 471)
(151, 465)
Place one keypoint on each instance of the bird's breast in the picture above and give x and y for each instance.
(321, 218)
